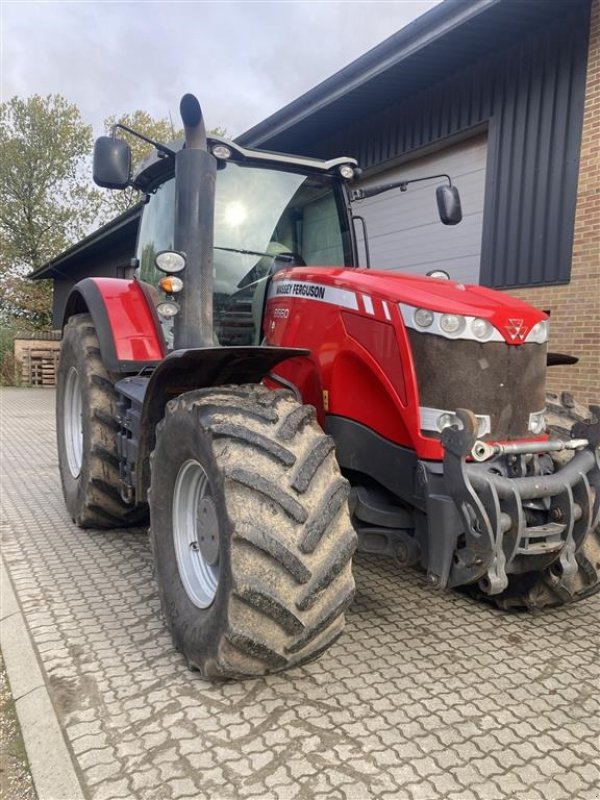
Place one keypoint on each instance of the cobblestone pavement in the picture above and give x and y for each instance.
(425, 696)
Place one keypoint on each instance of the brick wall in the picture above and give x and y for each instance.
(575, 308)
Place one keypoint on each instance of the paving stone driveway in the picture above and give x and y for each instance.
(425, 696)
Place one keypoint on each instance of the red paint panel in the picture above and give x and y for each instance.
(380, 338)
(135, 331)
(348, 372)
(449, 297)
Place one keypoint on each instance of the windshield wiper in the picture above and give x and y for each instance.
(248, 252)
(256, 274)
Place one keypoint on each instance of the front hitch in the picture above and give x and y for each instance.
(497, 509)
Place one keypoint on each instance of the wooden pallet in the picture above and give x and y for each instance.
(40, 366)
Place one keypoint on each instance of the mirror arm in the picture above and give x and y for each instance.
(362, 194)
(160, 147)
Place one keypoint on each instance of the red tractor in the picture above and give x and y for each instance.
(273, 413)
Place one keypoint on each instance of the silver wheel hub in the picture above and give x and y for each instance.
(196, 534)
(73, 424)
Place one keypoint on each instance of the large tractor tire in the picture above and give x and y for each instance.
(535, 590)
(250, 531)
(87, 433)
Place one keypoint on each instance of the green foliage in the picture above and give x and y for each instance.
(46, 203)
(47, 200)
(10, 369)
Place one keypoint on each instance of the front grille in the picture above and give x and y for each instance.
(505, 381)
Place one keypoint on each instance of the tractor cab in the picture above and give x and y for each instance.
(253, 212)
(269, 213)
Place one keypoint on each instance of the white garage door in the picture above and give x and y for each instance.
(405, 232)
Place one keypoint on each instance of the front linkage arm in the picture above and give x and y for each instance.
(498, 539)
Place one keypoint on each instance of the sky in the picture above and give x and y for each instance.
(243, 60)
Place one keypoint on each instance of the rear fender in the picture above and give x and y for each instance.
(198, 368)
(126, 322)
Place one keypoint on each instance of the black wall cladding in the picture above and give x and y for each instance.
(530, 94)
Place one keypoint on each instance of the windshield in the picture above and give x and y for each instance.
(264, 218)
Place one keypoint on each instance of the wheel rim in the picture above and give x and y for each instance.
(196, 534)
(73, 423)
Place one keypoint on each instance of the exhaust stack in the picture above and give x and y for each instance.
(195, 178)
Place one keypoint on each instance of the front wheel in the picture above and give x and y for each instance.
(250, 530)
(87, 432)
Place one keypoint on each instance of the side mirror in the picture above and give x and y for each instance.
(448, 200)
(112, 162)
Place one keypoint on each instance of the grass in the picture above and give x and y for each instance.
(15, 777)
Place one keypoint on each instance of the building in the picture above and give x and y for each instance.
(504, 96)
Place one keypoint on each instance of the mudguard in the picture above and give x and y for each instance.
(185, 370)
(126, 322)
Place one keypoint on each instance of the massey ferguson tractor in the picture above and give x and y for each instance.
(274, 406)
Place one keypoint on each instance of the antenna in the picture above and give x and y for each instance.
(172, 126)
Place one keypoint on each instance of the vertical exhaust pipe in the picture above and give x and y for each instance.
(195, 179)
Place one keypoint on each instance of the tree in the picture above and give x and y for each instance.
(47, 201)
(46, 204)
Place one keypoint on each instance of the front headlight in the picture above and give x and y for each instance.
(423, 318)
(452, 323)
(539, 332)
(481, 328)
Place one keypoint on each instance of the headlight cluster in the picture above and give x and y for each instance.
(452, 326)
(170, 262)
(458, 326)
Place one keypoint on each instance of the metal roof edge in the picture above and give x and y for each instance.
(100, 233)
(400, 45)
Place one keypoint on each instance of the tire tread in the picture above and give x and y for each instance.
(280, 479)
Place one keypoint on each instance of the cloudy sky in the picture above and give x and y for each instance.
(244, 60)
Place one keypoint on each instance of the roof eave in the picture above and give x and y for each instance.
(401, 45)
(106, 230)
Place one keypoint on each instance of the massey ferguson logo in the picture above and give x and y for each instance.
(516, 330)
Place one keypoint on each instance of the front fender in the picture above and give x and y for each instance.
(184, 370)
(126, 322)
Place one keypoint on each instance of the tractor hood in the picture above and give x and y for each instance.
(504, 312)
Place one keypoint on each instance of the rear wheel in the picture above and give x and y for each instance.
(87, 432)
(250, 530)
(537, 590)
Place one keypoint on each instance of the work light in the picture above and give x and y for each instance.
(169, 261)
(167, 309)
